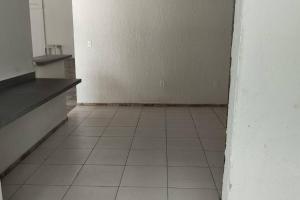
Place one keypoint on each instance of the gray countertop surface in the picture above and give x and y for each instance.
(16, 101)
(48, 59)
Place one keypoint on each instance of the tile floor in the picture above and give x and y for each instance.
(126, 153)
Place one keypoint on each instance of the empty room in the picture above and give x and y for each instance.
(149, 99)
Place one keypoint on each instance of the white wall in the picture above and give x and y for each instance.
(263, 161)
(37, 27)
(15, 39)
(138, 44)
(59, 24)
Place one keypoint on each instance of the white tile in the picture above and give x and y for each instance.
(53, 141)
(150, 109)
(96, 175)
(179, 116)
(213, 145)
(209, 123)
(106, 108)
(79, 142)
(108, 157)
(184, 143)
(146, 157)
(76, 117)
(152, 118)
(222, 113)
(202, 117)
(182, 132)
(102, 114)
(119, 132)
(192, 194)
(187, 158)
(96, 122)
(153, 115)
(9, 190)
(146, 171)
(127, 114)
(38, 156)
(20, 174)
(78, 114)
(152, 124)
(76, 121)
(218, 177)
(144, 176)
(54, 175)
(88, 131)
(40, 193)
(212, 133)
(149, 143)
(215, 159)
(127, 121)
(142, 194)
(91, 193)
(114, 143)
(150, 132)
(69, 156)
(175, 109)
(180, 124)
(65, 129)
(190, 177)
(130, 109)
(201, 110)
(81, 108)
(180, 120)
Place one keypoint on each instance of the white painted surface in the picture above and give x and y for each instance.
(15, 39)
(263, 148)
(37, 27)
(59, 24)
(1, 192)
(143, 51)
(52, 70)
(19, 136)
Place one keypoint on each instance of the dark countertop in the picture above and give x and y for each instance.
(47, 59)
(18, 100)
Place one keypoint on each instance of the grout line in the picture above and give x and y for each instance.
(133, 165)
(51, 153)
(219, 118)
(205, 155)
(225, 126)
(105, 186)
(167, 158)
(129, 150)
(80, 169)
(132, 140)
(21, 185)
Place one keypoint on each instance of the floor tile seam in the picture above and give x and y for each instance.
(219, 118)
(211, 173)
(80, 169)
(132, 140)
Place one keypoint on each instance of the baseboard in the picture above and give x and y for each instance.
(34, 147)
(152, 104)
